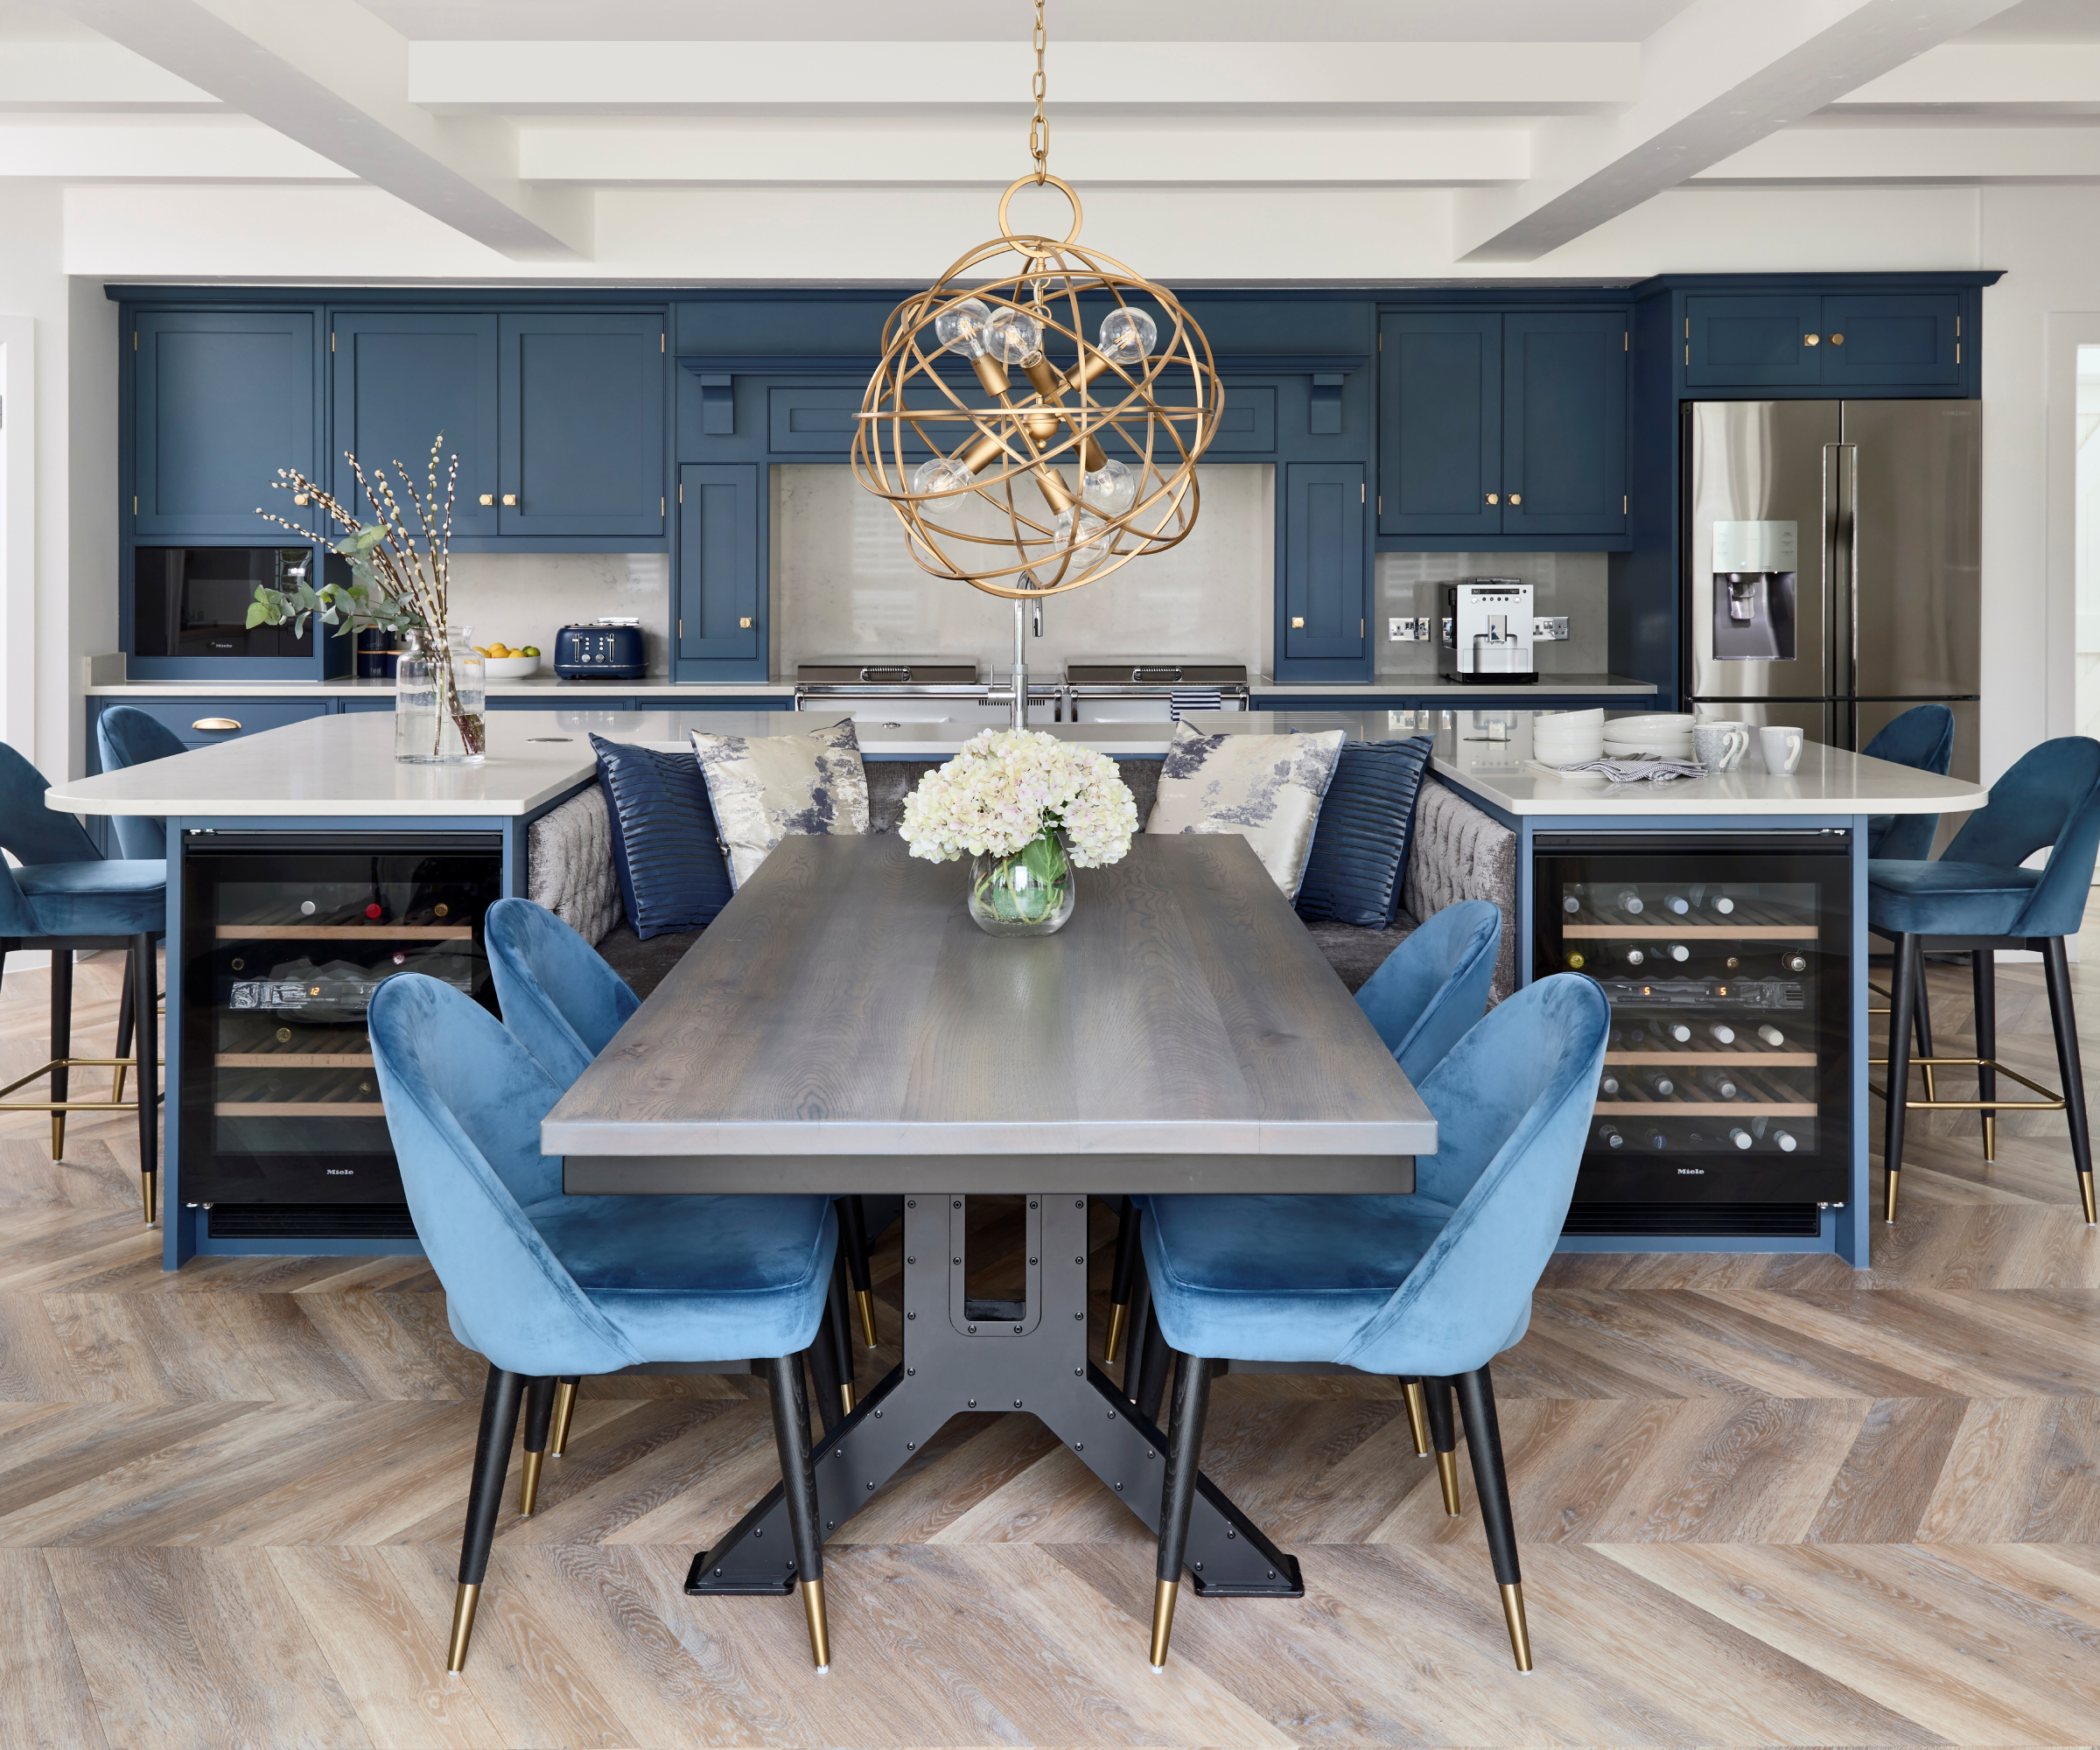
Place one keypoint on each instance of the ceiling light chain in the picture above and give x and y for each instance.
(1039, 130)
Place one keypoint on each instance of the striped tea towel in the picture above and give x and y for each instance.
(1647, 766)
(1194, 699)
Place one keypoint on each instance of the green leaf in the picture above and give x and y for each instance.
(258, 614)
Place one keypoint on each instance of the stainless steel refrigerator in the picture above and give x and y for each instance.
(1832, 564)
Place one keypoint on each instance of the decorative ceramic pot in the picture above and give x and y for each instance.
(1029, 893)
(440, 699)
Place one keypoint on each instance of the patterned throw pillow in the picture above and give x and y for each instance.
(1265, 788)
(765, 787)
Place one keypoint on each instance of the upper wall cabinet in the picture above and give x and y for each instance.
(223, 399)
(1503, 424)
(1839, 341)
(583, 424)
(401, 378)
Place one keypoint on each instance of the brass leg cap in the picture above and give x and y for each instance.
(1513, 1614)
(846, 1395)
(820, 1631)
(1447, 1474)
(2085, 1196)
(864, 1299)
(564, 1407)
(116, 1085)
(1119, 1313)
(464, 1605)
(57, 1135)
(529, 1490)
(1417, 1416)
(1163, 1620)
(1990, 1136)
(148, 1185)
(1888, 1199)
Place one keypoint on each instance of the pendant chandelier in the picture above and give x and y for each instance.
(1002, 474)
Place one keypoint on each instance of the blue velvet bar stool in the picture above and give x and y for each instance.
(563, 1004)
(1922, 738)
(1978, 898)
(547, 1286)
(1431, 1286)
(125, 736)
(66, 896)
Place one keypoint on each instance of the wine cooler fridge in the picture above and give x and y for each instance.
(284, 938)
(1725, 1101)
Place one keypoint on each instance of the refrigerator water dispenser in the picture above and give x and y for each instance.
(1755, 567)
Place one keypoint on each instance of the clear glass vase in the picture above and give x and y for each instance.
(1030, 892)
(440, 700)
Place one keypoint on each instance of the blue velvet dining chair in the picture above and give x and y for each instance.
(1922, 738)
(66, 896)
(1431, 1287)
(1422, 999)
(1978, 898)
(546, 1286)
(125, 736)
(564, 1003)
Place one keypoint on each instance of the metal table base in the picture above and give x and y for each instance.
(961, 1356)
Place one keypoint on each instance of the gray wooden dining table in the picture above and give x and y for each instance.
(842, 1027)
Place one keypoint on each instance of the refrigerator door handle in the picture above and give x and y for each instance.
(1841, 565)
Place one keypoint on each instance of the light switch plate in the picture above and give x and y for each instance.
(1401, 630)
(1550, 629)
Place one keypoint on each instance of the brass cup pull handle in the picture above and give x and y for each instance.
(1494, 498)
(488, 498)
(510, 498)
(218, 723)
(1516, 498)
(1810, 339)
(1836, 340)
(1298, 623)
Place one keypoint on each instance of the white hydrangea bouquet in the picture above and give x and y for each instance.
(1027, 807)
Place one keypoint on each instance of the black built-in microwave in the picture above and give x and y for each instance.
(193, 601)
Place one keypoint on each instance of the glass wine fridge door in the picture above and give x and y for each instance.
(285, 937)
(1725, 958)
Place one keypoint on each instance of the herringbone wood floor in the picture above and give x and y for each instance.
(1762, 1501)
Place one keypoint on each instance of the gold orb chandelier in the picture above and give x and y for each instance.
(976, 466)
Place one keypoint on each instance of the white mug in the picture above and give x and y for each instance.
(1720, 745)
(1782, 745)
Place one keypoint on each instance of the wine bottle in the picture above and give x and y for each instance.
(1634, 956)
(1679, 1031)
(1793, 962)
(1722, 1083)
(1656, 1140)
(1677, 903)
(1570, 904)
(1678, 952)
(1785, 1140)
(1723, 1032)
(1607, 1083)
(1608, 1135)
(1630, 902)
(1771, 1035)
(1740, 1137)
(1659, 1084)
(1731, 963)
(1721, 903)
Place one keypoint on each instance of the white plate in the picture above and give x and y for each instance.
(1666, 723)
(1623, 750)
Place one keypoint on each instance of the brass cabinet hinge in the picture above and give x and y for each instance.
(681, 492)
(660, 343)
(1361, 490)
(135, 340)
(1625, 504)
(332, 339)
(681, 632)
(660, 505)
(1626, 342)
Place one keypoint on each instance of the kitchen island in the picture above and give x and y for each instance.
(430, 845)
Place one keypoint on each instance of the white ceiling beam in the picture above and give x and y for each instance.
(1985, 79)
(1834, 157)
(691, 78)
(90, 77)
(1714, 80)
(330, 75)
(212, 148)
(976, 153)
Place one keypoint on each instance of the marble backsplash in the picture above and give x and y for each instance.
(1569, 584)
(526, 598)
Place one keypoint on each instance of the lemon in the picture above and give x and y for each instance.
(499, 649)
(479, 651)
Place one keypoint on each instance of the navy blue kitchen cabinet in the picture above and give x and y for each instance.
(1853, 339)
(199, 722)
(583, 424)
(1563, 421)
(719, 618)
(401, 377)
(1323, 608)
(221, 400)
(1439, 423)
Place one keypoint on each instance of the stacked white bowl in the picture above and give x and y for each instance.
(1567, 737)
(1666, 735)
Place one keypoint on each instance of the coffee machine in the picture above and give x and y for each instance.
(1487, 631)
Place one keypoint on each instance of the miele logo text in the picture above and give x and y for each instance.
(1700, 1171)
(342, 1172)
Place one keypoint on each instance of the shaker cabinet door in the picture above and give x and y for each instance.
(1440, 420)
(221, 400)
(1563, 423)
(1751, 340)
(1912, 339)
(401, 378)
(583, 424)
(1323, 571)
(717, 611)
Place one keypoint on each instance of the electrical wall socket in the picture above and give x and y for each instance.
(1400, 630)
(1550, 629)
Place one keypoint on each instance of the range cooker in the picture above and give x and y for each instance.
(942, 688)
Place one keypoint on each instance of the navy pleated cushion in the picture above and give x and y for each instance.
(1358, 862)
(672, 875)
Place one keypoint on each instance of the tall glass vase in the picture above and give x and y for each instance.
(440, 700)
(1029, 893)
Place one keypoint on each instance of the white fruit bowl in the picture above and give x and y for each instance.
(512, 668)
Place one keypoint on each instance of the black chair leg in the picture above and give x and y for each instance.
(1154, 1359)
(1920, 1037)
(823, 1356)
(539, 1419)
(500, 1401)
(798, 1480)
(1178, 1495)
(1983, 974)
(2064, 1020)
(1418, 1416)
(853, 1246)
(61, 1041)
(1902, 1004)
(841, 1331)
(145, 1003)
(1484, 1441)
(1133, 1329)
(564, 1408)
(1444, 1435)
(123, 1030)
(1124, 1279)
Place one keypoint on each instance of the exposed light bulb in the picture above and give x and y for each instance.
(963, 327)
(941, 475)
(1112, 488)
(1088, 534)
(1013, 335)
(1128, 335)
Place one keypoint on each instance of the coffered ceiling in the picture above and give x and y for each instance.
(1544, 119)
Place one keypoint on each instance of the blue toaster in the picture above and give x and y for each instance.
(600, 653)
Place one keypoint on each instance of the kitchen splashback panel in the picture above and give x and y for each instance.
(1571, 583)
(526, 598)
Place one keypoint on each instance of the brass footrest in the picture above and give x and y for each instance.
(58, 1063)
(2048, 1102)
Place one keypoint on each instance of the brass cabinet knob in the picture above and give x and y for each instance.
(1836, 340)
(1298, 623)
(1516, 498)
(298, 498)
(219, 722)
(488, 498)
(1494, 498)
(510, 498)
(746, 622)
(1810, 339)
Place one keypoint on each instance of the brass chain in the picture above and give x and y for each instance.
(1039, 130)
